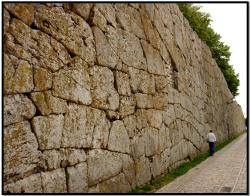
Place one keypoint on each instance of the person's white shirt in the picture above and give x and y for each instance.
(211, 137)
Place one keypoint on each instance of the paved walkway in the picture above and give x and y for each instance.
(225, 172)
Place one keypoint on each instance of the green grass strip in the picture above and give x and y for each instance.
(164, 179)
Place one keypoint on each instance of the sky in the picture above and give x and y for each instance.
(229, 20)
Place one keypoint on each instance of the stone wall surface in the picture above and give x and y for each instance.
(105, 97)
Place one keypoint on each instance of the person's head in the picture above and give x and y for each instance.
(211, 131)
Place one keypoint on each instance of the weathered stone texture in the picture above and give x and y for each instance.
(73, 83)
(31, 184)
(17, 108)
(103, 97)
(68, 28)
(54, 181)
(120, 182)
(118, 138)
(85, 127)
(102, 165)
(48, 130)
(21, 155)
(18, 75)
(23, 11)
(122, 83)
(47, 103)
(36, 47)
(77, 178)
(104, 94)
(142, 168)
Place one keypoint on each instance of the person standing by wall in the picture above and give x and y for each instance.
(211, 139)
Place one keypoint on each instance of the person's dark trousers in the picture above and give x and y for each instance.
(211, 148)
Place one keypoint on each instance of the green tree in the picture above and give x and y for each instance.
(200, 22)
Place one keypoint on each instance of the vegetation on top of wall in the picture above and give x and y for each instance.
(200, 22)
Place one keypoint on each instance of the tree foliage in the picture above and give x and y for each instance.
(200, 22)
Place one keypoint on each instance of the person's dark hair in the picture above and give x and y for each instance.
(211, 130)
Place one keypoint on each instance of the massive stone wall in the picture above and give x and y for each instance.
(104, 97)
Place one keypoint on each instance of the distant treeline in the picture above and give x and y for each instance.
(200, 22)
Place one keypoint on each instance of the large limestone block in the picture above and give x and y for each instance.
(151, 141)
(128, 168)
(17, 108)
(48, 130)
(175, 132)
(130, 20)
(157, 101)
(38, 48)
(82, 9)
(152, 35)
(73, 84)
(130, 50)
(169, 114)
(106, 56)
(72, 156)
(52, 158)
(69, 29)
(127, 106)
(31, 184)
(154, 59)
(156, 166)
(164, 138)
(21, 155)
(104, 16)
(144, 100)
(18, 75)
(102, 165)
(63, 157)
(85, 127)
(77, 178)
(6, 20)
(117, 184)
(42, 79)
(23, 11)
(138, 145)
(122, 83)
(54, 181)
(130, 125)
(118, 138)
(141, 81)
(103, 91)
(178, 152)
(141, 119)
(155, 118)
(163, 83)
(142, 168)
(165, 159)
(47, 103)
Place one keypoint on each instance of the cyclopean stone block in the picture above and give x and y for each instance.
(21, 155)
(85, 127)
(17, 108)
(47, 103)
(69, 29)
(54, 181)
(77, 178)
(31, 184)
(48, 130)
(18, 75)
(23, 11)
(102, 165)
(103, 91)
(73, 84)
(118, 138)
